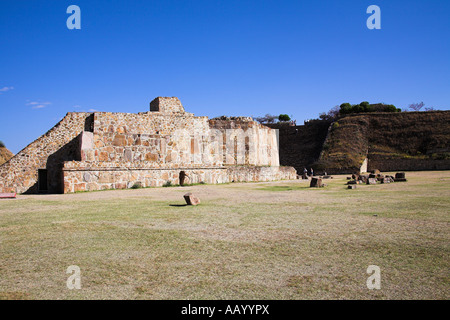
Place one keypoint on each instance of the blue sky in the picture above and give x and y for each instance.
(219, 57)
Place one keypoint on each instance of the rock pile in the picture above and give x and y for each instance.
(375, 177)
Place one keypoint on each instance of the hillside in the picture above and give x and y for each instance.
(5, 155)
(390, 141)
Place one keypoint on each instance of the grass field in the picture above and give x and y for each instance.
(278, 240)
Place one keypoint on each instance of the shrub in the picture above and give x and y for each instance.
(167, 184)
(345, 108)
(268, 118)
(390, 108)
(2, 145)
(284, 117)
(136, 185)
(364, 104)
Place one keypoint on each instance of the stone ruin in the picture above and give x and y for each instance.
(104, 150)
(375, 177)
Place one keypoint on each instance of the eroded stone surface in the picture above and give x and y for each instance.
(191, 200)
(104, 150)
(316, 183)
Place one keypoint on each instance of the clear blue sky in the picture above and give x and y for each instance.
(229, 57)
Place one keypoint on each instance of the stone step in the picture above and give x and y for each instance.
(7, 195)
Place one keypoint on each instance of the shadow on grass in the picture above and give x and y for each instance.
(178, 205)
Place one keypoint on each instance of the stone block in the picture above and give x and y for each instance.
(191, 200)
(106, 177)
(120, 185)
(316, 183)
(400, 177)
(166, 105)
(371, 181)
(87, 177)
(151, 157)
(363, 178)
(79, 187)
(120, 140)
(128, 155)
(103, 156)
(351, 187)
(387, 180)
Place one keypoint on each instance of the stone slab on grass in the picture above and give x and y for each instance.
(191, 200)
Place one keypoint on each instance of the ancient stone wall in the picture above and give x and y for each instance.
(408, 164)
(390, 141)
(151, 137)
(300, 146)
(166, 105)
(104, 150)
(402, 141)
(59, 144)
(102, 176)
(181, 139)
(247, 142)
(260, 174)
(86, 176)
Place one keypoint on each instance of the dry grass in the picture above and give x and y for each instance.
(279, 240)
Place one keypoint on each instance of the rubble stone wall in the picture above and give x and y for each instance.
(182, 139)
(103, 178)
(104, 150)
(166, 105)
(408, 164)
(20, 173)
(85, 176)
(260, 174)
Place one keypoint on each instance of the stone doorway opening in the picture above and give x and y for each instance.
(182, 177)
(42, 180)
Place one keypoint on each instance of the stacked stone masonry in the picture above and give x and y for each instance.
(103, 150)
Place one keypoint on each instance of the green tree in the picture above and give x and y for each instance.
(391, 108)
(2, 145)
(345, 108)
(284, 117)
(365, 105)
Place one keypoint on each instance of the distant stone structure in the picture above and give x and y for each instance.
(104, 150)
(361, 142)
